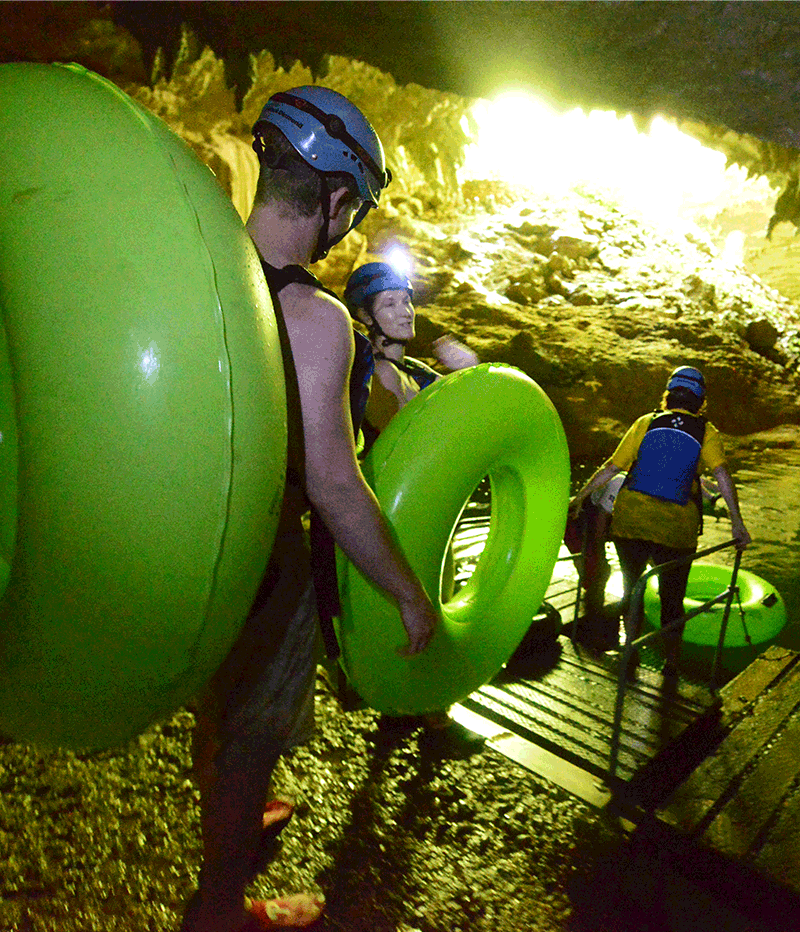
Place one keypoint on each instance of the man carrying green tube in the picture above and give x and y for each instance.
(321, 170)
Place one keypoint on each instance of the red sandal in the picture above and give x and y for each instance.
(298, 911)
(277, 814)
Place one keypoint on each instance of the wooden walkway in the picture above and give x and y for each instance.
(568, 709)
(742, 802)
(711, 781)
(557, 716)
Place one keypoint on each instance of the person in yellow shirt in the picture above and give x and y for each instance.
(656, 514)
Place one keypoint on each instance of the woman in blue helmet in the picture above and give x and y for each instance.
(657, 513)
(380, 297)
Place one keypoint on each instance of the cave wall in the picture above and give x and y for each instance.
(594, 329)
(728, 72)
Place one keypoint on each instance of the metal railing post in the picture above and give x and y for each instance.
(732, 589)
(632, 617)
(635, 613)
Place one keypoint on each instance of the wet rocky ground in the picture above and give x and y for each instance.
(400, 831)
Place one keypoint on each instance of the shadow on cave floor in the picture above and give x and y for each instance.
(655, 882)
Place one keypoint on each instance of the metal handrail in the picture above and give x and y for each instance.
(635, 614)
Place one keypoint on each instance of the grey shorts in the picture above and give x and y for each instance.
(262, 697)
(280, 699)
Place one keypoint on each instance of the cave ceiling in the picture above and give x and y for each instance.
(631, 299)
(728, 72)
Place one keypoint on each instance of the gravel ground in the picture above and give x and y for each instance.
(402, 832)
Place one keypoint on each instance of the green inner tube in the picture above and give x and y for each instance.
(762, 616)
(142, 413)
(488, 420)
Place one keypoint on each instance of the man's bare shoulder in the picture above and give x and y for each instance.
(319, 328)
(299, 300)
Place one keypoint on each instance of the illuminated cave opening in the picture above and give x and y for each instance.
(655, 172)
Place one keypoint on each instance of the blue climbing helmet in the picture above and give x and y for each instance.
(689, 378)
(371, 279)
(331, 135)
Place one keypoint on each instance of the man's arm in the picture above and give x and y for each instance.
(321, 339)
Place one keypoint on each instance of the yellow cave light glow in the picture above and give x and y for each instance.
(663, 172)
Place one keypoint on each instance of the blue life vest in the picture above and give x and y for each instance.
(666, 464)
(360, 379)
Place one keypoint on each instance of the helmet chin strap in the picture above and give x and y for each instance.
(324, 244)
(389, 341)
(385, 340)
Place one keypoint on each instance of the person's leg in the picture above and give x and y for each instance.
(234, 784)
(633, 556)
(672, 589)
(602, 626)
(255, 707)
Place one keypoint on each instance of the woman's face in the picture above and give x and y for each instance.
(394, 313)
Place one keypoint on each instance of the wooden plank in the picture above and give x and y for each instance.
(547, 730)
(647, 723)
(645, 692)
(536, 711)
(536, 759)
(743, 689)
(577, 720)
(582, 705)
(554, 768)
(569, 709)
(736, 827)
(692, 802)
(779, 856)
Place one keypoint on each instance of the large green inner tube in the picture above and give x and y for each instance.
(762, 616)
(142, 377)
(489, 420)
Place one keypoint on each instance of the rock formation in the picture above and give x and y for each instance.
(595, 304)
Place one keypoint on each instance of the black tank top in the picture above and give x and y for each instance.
(323, 551)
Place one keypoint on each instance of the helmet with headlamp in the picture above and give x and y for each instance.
(332, 136)
(368, 280)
